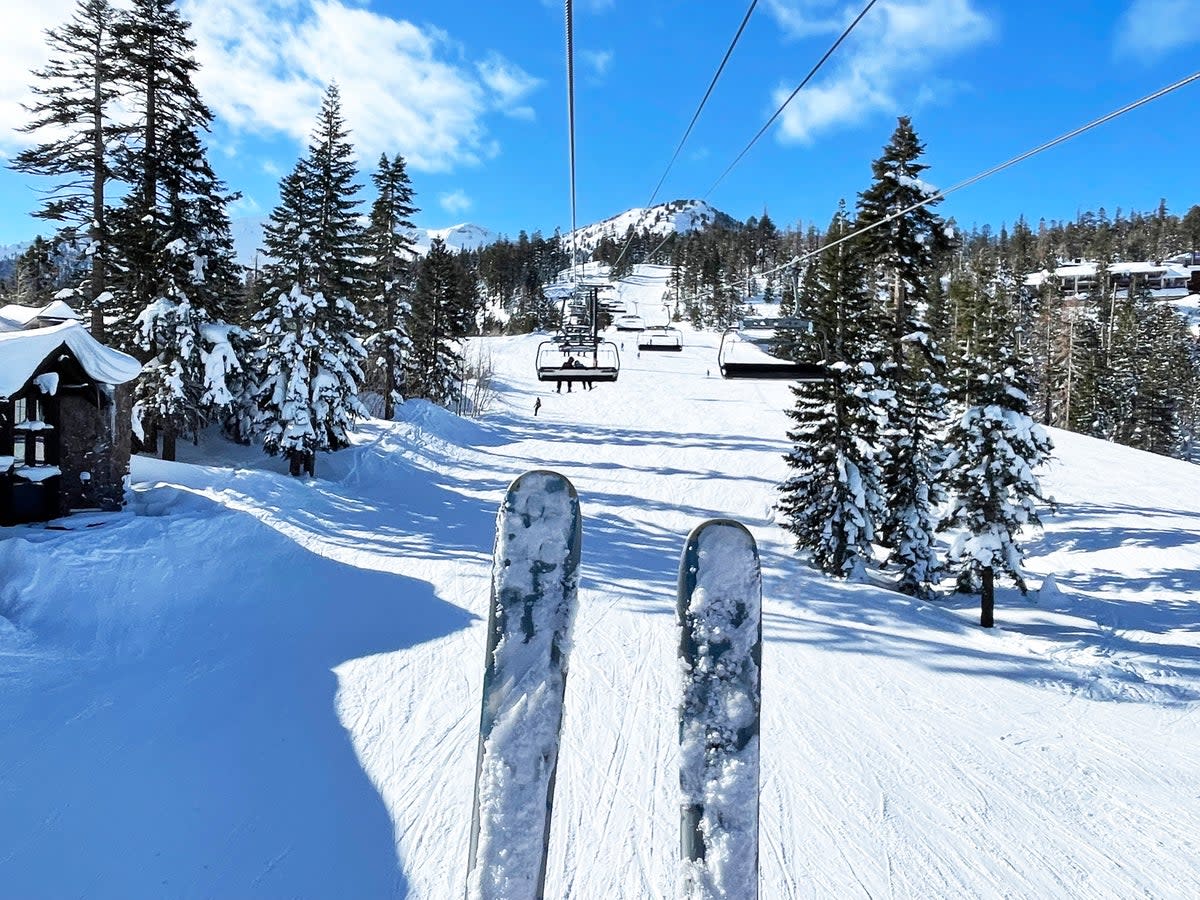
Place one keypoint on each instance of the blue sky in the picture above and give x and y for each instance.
(473, 95)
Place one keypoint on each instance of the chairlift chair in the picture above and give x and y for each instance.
(749, 352)
(598, 361)
(660, 338)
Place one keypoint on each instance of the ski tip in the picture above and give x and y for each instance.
(542, 480)
(729, 529)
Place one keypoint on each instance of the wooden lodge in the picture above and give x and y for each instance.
(64, 419)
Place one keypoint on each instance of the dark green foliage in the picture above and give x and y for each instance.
(308, 361)
(834, 499)
(904, 245)
(390, 274)
(435, 321)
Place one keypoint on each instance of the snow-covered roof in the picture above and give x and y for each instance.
(1079, 270)
(1088, 270)
(21, 352)
(23, 315)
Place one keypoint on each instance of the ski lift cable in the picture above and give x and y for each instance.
(807, 78)
(695, 117)
(571, 127)
(974, 179)
(763, 130)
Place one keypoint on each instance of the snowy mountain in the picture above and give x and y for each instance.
(457, 237)
(247, 238)
(250, 685)
(676, 216)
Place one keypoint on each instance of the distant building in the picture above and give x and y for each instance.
(64, 416)
(1164, 280)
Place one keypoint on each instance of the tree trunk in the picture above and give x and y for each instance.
(168, 443)
(987, 598)
(294, 458)
(98, 277)
(150, 442)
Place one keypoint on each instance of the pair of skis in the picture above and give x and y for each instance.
(535, 580)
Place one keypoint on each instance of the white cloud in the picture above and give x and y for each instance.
(455, 202)
(802, 18)
(895, 42)
(509, 83)
(23, 49)
(1150, 27)
(598, 61)
(266, 63)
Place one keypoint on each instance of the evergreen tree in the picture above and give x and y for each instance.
(76, 94)
(434, 363)
(994, 447)
(155, 61)
(35, 275)
(308, 362)
(833, 499)
(904, 242)
(391, 253)
(176, 271)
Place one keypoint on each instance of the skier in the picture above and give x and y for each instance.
(537, 404)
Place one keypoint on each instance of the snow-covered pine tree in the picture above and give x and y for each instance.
(433, 365)
(833, 499)
(308, 362)
(1153, 364)
(167, 396)
(390, 273)
(994, 446)
(176, 272)
(155, 63)
(73, 115)
(904, 251)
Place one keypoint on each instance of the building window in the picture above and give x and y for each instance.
(32, 437)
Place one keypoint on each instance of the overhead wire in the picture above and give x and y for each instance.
(987, 173)
(807, 78)
(571, 127)
(695, 117)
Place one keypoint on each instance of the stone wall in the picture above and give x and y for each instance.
(94, 447)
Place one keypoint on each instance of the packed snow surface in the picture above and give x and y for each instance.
(250, 685)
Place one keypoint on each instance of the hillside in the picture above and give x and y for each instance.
(253, 685)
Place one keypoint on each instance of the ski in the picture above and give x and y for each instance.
(719, 613)
(535, 574)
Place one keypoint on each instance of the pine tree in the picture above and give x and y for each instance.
(390, 249)
(308, 369)
(994, 447)
(176, 268)
(76, 95)
(833, 499)
(905, 250)
(155, 61)
(434, 363)
(35, 275)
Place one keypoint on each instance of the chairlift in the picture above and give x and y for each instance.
(629, 323)
(576, 353)
(559, 361)
(751, 351)
(659, 337)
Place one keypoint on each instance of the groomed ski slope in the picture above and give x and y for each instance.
(258, 686)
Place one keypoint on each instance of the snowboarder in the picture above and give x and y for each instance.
(537, 404)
